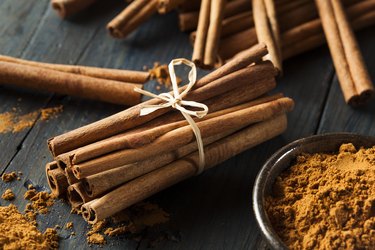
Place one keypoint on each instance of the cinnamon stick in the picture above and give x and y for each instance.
(66, 8)
(77, 195)
(314, 27)
(214, 30)
(136, 13)
(56, 180)
(350, 68)
(302, 37)
(167, 142)
(224, 101)
(254, 87)
(67, 83)
(164, 177)
(202, 30)
(188, 21)
(236, 43)
(102, 182)
(130, 118)
(70, 176)
(102, 73)
(314, 41)
(267, 29)
(237, 23)
(190, 5)
(165, 6)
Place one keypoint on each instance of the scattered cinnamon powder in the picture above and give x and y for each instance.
(96, 239)
(93, 236)
(326, 201)
(47, 113)
(69, 225)
(8, 195)
(8, 177)
(148, 214)
(161, 74)
(97, 227)
(13, 122)
(39, 201)
(132, 220)
(17, 232)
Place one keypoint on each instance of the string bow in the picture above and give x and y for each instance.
(176, 101)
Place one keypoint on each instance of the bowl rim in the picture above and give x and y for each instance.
(267, 231)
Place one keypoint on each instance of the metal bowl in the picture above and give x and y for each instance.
(282, 159)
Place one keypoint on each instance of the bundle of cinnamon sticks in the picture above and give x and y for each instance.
(109, 165)
(292, 27)
(108, 85)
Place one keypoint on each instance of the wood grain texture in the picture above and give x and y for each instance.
(210, 211)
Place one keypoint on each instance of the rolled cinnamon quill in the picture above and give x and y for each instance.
(136, 13)
(188, 21)
(351, 71)
(77, 195)
(167, 142)
(101, 182)
(267, 29)
(43, 79)
(310, 34)
(165, 6)
(314, 40)
(130, 76)
(70, 176)
(66, 8)
(302, 37)
(255, 87)
(232, 98)
(149, 184)
(208, 33)
(130, 118)
(56, 180)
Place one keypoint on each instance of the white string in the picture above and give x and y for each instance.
(176, 101)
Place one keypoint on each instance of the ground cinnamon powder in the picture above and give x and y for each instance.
(17, 232)
(326, 201)
(14, 122)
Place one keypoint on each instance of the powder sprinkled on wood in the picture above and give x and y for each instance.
(39, 201)
(160, 73)
(12, 122)
(69, 225)
(8, 177)
(132, 221)
(96, 239)
(17, 232)
(326, 201)
(8, 195)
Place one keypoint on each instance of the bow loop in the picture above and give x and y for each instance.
(176, 101)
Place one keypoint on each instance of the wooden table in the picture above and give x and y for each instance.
(211, 211)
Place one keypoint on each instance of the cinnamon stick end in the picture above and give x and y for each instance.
(114, 32)
(59, 8)
(362, 99)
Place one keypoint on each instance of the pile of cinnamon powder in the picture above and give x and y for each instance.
(17, 232)
(326, 201)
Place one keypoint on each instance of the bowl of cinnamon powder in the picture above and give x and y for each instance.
(318, 193)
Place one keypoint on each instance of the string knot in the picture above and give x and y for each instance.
(176, 101)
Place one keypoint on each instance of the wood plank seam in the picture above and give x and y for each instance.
(330, 79)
